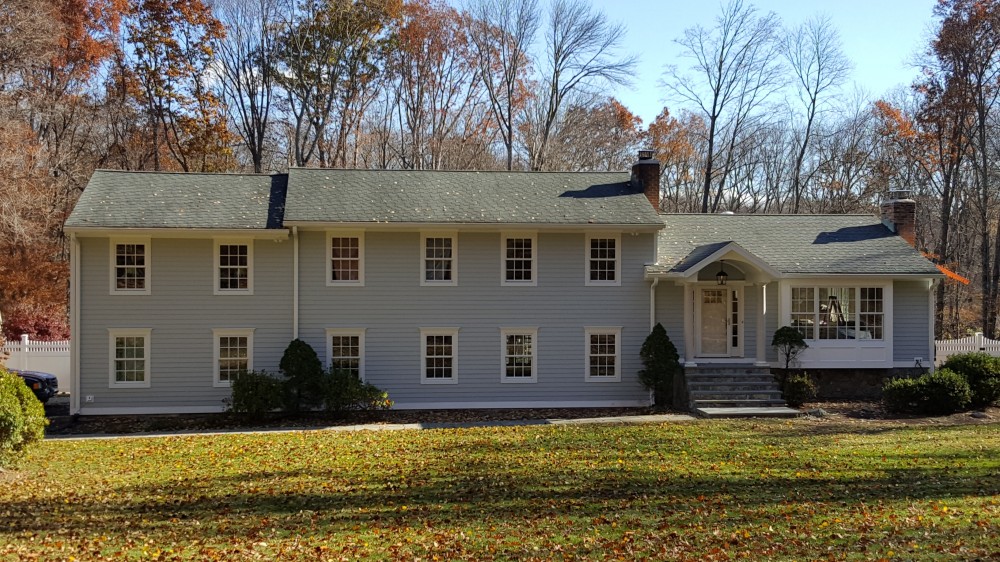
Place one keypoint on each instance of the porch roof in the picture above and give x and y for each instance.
(790, 244)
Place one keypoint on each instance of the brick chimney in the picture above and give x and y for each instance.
(899, 214)
(646, 174)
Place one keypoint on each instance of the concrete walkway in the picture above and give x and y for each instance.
(616, 420)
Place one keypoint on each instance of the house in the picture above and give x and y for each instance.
(466, 289)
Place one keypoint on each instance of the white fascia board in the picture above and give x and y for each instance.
(485, 227)
(200, 233)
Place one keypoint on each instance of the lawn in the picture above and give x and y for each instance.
(705, 490)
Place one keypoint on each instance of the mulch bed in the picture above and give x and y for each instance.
(851, 412)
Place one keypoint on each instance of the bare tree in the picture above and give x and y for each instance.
(502, 32)
(246, 69)
(734, 70)
(814, 54)
(581, 45)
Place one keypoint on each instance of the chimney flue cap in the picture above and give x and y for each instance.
(645, 154)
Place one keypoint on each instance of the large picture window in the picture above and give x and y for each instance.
(838, 313)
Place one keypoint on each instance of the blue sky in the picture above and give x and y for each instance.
(880, 37)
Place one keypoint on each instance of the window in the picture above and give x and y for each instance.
(603, 354)
(346, 350)
(233, 268)
(129, 353)
(439, 262)
(233, 354)
(838, 313)
(518, 349)
(439, 355)
(130, 266)
(345, 264)
(518, 267)
(603, 263)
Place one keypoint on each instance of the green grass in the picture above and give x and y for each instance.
(751, 490)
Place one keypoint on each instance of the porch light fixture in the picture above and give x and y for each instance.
(722, 276)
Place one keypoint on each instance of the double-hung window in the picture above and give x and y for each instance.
(838, 313)
(345, 258)
(603, 354)
(517, 346)
(346, 350)
(519, 259)
(129, 357)
(233, 267)
(233, 354)
(603, 260)
(439, 355)
(439, 259)
(130, 266)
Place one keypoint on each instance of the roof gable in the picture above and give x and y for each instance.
(791, 244)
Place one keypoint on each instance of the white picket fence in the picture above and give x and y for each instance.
(946, 348)
(46, 356)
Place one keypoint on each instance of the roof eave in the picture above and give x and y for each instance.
(574, 227)
(163, 232)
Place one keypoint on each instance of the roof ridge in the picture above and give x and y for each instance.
(182, 173)
(769, 215)
(290, 168)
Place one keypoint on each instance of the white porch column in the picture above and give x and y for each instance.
(689, 325)
(761, 326)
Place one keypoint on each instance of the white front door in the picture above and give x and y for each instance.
(721, 322)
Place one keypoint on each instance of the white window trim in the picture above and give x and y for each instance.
(360, 332)
(533, 236)
(229, 332)
(453, 332)
(424, 235)
(216, 266)
(618, 260)
(504, 332)
(112, 263)
(360, 235)
(601, 330)
(887, 310)
(146, 334)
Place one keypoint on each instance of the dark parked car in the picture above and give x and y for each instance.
(44, 385)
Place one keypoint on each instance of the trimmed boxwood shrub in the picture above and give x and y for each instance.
(660, 365)
(255, 393)
(939, 393)
(304, 377)
(22, 418)
(797, 389)
(982, 372)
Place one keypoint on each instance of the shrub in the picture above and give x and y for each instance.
(797, 389)
(789, 343)
(22, 418)
(343, 392)
(304, 376)
(982, 372)
(255, 393)
(660, 363)
(939, 393)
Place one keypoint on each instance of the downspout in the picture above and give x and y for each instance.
(652, 303)
(295, 282)
(74, 324)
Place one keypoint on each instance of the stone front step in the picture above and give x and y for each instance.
(732, 386)
(736, 401)
(747, 412)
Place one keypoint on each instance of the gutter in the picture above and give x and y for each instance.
(295, 282)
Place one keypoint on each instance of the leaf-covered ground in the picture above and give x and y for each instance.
(752, 490)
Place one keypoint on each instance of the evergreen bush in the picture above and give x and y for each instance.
(789, 343)
(343, 392)
(660, 365)
(982, 372)
(303, 373)
(939, 393)
(255, 393)
(22, 418)
(797, 389)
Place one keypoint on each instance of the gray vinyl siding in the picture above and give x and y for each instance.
(910, 321)
(670, 312)
(182, 312)
(393, 307)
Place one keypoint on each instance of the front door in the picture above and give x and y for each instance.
(721, 322)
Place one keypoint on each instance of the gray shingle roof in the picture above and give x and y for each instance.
(542, 198)
(792, 244)
(116, 199)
